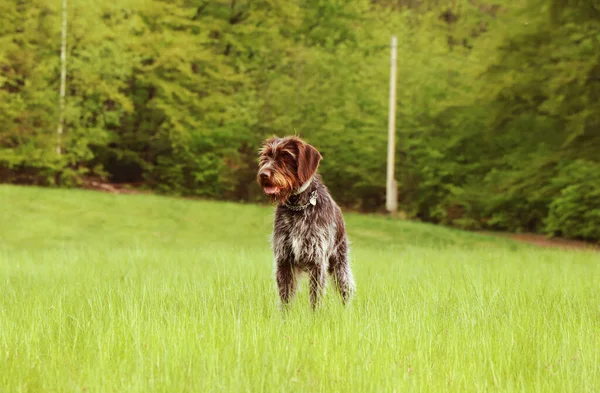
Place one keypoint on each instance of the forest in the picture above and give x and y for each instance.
(498, 102)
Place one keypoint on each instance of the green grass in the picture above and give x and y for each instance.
(112, 293)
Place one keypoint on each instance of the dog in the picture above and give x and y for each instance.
(309, 233)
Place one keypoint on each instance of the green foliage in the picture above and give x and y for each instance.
(495, 99)
(575, 211)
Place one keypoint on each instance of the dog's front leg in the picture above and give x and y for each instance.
(286, 280)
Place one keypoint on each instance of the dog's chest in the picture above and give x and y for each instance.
(308, 242)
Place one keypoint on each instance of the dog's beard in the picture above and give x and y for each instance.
(281, 196)
(280, 187)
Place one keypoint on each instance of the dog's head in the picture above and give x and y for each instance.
(285, 165)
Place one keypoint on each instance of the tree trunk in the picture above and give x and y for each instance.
(63, 78)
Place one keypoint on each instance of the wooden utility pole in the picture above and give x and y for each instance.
(63, 79)
(391, 197)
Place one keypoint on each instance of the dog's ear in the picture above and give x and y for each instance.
(308, 161)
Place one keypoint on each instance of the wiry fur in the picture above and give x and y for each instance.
(312, 240)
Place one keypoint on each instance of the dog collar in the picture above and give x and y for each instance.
(312, 200)
(303, 187)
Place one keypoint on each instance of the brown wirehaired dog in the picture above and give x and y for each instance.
(309, 234)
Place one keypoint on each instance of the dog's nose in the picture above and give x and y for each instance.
(265, 175)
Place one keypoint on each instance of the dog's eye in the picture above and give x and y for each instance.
(287, 156)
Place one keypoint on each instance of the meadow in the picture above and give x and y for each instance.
(141, 293)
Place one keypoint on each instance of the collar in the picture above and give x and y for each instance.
(312, 200)
(303, 187)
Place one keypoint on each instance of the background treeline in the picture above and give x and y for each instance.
(498, 101)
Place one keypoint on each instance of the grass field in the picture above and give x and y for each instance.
(114, 293)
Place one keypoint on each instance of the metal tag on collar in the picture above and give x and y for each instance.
(313, 198)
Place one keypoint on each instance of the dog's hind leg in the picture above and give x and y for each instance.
(339, 269)
(318, 280)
